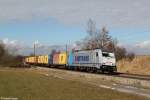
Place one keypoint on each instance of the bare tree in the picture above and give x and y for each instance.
(90, 39)
(2, 49)
(7, 58)
(112, 45)
(100, 39)
(96, 38)
(91, 27)
(120, 53)
(103, 38)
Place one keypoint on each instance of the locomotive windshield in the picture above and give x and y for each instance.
(106, 54)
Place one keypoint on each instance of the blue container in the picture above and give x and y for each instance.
(70, 60)
(50, 59)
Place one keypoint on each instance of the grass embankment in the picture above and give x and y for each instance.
(139, 65)
(26, 84)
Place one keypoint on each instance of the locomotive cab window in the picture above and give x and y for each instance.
(108, 55)
(96, 54)
(105, 54)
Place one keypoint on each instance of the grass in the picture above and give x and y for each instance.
(29, 85)
(139, 65)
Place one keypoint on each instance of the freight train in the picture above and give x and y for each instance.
(86, 60)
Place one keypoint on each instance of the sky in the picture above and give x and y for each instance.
(60, 22)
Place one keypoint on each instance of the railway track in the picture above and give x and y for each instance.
(118, 74)
(134, 76)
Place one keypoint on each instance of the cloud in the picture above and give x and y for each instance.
(19, 47)
(10, 43)
(13, 46)
(144, 45)
(141, 48)
(110, 13)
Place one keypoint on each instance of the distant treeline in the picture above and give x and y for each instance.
(7, 59)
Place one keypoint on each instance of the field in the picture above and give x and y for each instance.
(26, 84)
(139, 65)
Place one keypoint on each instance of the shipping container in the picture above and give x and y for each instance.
(63, 58)
(56, 58)
(50, 60)
(45, 59)
(26, 60)
(70, 60)
(32, 60)
(29, 59)
(39, 59)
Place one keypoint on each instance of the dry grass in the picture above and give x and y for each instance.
(26, 84)
(139, 65)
